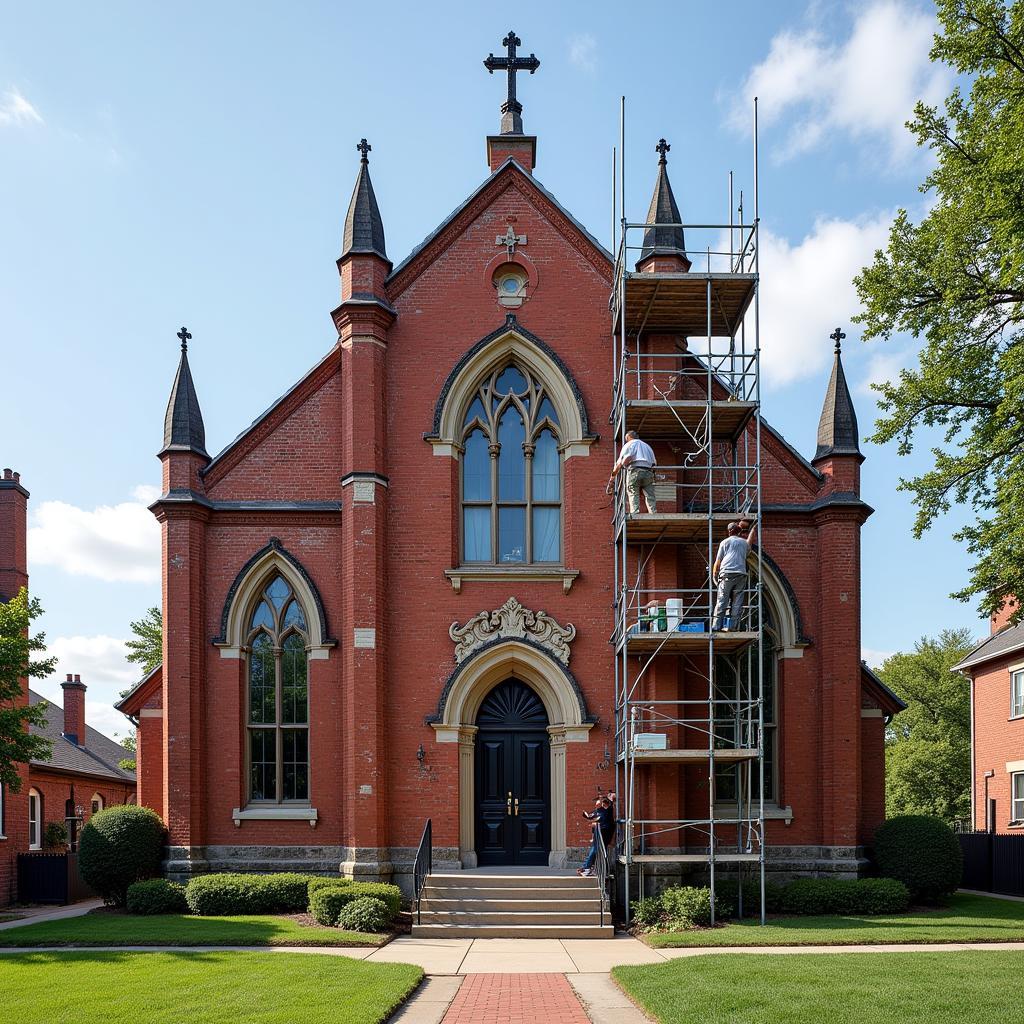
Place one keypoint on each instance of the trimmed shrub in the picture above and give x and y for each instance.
(156, 896)
(55, 836)
(326, 882)
(326, 903)
(921, 852)
(727, 892)
(687, 906)
(227, 893)
(118, 846)
(366, 914)
(835, 896)
(647, 912)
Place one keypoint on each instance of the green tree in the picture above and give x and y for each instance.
(928, 746)
(130, 743)
(147, 649)
(17, 650)
(956, 278)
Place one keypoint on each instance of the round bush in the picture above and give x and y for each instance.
(156, 896)
(882, 896)
(647, 912)
(119, 846)
(326, 882)
(921, 852)
(686, 906)
(365, 914)
(326, 903)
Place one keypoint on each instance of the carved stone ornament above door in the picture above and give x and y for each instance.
(512, 622)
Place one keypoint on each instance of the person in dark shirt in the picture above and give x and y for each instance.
(603, 817)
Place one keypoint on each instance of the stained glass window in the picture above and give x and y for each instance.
(278, 697)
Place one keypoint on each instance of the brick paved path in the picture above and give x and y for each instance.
(515, 999)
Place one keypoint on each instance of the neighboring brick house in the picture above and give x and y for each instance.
(83, 768)
(347, 597)
(996, 670)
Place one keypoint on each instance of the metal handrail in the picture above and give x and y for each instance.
(423, 865)
(601, 867)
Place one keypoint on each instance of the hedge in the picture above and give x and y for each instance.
(366, 914)
(327, 902)
(118, 846)
(224, 894)
(921, 852)
(327, 882)
(727, 892)
(834, 896)
(156, 896)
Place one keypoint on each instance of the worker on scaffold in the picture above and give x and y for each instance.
(729, 575)
(637, 458)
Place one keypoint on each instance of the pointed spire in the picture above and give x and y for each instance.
(663, 241)
(837, 428)
(183, 421)
(364, 230)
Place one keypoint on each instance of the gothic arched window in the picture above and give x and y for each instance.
(511, 472)
(277, 697)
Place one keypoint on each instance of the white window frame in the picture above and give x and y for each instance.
(1017, 797)
(97, 803)
(35, 821)
(1017, 692)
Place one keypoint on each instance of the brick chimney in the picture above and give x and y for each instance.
(74, 709)
(13, 529)
(1001, 617)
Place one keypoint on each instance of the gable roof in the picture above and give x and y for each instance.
(1006, 641)
(98, 756)
(886, 698)
(131, 703)
(471, 206)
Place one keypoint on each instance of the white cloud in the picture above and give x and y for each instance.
(807, 289)
(874, 657)
(882, 367)
(864, 86)
(100, 661)
(15, 110)
(583, 52)
(116, 543)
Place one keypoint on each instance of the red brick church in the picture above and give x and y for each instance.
(390, 598)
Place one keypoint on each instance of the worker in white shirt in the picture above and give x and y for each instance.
(637, 458)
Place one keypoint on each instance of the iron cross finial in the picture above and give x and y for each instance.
(511, 109)
(364, 147)
(837, 336)
(661, 149)
(184, 336)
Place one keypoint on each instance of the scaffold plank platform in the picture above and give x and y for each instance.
(685, 643)
(653, 418)
(686, 755)
(690, 858)
(677, 526)
(677, 303)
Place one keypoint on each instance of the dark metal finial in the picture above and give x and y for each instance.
(364, 147)
(511, 109)
(661, 149)
(184, 336)
(837, 336)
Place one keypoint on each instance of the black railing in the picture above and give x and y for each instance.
(423, 866)
(601, 869)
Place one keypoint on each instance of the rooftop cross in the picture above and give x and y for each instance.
(184, 336)
(837, 336)
(364, 147)
(661, 149)
(511, 109)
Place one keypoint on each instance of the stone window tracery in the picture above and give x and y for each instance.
(277, 697)
(511, 472)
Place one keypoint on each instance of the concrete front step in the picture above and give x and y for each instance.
(472, 903)
(511, 931)
(471, 878)
(474, 892)
(494, 918)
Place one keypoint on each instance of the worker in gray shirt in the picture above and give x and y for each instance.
(729, 575)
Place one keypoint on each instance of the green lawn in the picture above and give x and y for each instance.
(215, 987)
(106, 929)
(966, 919)
(841, 988)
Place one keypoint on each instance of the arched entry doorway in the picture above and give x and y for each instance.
(513, 777)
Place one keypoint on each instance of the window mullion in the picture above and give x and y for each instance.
(278, 730)
(494, 448)
(528, 449)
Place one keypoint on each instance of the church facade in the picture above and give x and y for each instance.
(390, 598)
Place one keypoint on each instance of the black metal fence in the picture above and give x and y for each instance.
(993, 863)
(50, 878)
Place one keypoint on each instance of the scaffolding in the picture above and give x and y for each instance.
(689, 701)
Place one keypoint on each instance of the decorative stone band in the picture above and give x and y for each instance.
(512, 622)
(274, 812)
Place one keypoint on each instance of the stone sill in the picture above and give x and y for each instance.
(503, 574)
(275, 812)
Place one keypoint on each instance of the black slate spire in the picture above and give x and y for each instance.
(837, 428)
(663, 241)
(364, 230)
(183, 421)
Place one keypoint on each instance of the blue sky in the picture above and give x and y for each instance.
(192, 163)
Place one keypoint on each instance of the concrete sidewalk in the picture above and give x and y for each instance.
(34, 915)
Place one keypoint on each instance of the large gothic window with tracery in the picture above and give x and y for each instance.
(511, 472)
(277, 705)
